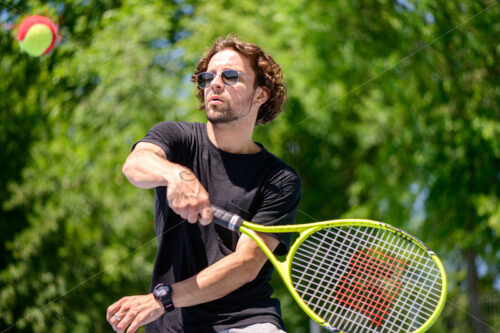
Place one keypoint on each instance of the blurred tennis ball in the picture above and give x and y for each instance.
(37, 35)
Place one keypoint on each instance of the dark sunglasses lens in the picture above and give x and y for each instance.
(204, 79)
(230, 76)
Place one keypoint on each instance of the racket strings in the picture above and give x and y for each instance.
(372, 284)
(366, 279)
(316, 309)
(391, 246)
(322, 270)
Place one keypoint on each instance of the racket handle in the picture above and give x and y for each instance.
(226, 219)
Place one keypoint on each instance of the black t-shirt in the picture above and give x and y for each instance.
(258, 187)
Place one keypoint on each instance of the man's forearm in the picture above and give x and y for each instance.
(145, 169)
(225, 276)
(212, 283)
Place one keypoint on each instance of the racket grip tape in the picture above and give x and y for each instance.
(226, 219)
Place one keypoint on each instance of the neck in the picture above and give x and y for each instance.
(232, 138)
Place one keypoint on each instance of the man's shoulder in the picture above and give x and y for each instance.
(173, 131)
(172, 136)
(280, 170)
(178, 126)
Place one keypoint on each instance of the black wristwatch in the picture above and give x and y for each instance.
(163, 293)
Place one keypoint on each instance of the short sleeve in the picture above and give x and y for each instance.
(281, 197)
(169, 136)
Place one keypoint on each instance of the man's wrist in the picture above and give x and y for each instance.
(158, 303)
(172, 171)
(163, 294)
(177, 173)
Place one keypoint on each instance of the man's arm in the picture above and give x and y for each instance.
(147, 166)
(226, 275)
(214, 282)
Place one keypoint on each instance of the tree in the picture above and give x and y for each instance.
(89, 236)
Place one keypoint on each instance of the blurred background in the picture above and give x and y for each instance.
(393, 114)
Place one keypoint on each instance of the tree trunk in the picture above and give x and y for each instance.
(478, 319)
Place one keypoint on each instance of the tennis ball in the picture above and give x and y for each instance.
(37, 35)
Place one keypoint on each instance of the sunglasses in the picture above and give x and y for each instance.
(229, 77)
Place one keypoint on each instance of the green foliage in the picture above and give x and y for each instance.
(393, 114)
(96, 96)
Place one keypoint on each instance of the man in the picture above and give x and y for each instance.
(206, 278)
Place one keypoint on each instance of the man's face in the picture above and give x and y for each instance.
(226, 103)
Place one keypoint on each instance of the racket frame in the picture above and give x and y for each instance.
(305, 230)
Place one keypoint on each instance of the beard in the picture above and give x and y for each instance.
(221, 114)
(226, 113)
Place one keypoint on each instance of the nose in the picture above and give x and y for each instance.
(217, 82)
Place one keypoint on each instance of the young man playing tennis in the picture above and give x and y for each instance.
(206, 278)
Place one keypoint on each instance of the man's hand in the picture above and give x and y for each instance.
(133, 312)
(188, 198)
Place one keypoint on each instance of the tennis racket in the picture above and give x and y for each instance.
(353, 276)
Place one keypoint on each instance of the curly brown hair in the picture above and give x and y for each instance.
(267, 74)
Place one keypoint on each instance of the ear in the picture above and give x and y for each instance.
(261, 95)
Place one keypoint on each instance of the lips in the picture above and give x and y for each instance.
(215, 99)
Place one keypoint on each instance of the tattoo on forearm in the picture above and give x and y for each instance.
(187, 175)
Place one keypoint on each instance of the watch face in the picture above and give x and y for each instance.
(160, 292)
